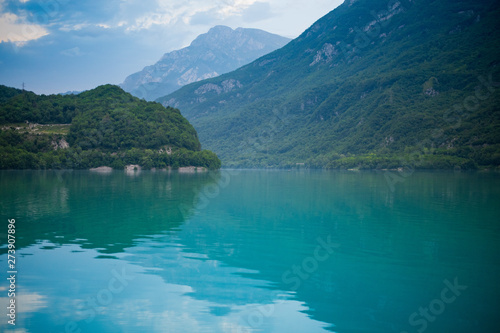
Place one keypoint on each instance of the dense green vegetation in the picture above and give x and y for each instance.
(107, 127)
(373, 84)
(132, 123)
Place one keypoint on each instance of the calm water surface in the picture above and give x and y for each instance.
(252, 251)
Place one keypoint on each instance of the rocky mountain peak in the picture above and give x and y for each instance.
(216, 52)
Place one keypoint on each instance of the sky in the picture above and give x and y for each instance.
(55, 46)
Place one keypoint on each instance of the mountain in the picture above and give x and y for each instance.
(373, 84)
(101, 127)
(216, 52)
(71, 92)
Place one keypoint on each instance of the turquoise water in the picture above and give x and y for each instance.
(252, 251)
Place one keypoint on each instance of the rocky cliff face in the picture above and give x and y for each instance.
(219, 51)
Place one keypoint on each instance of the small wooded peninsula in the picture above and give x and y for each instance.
(101, 127)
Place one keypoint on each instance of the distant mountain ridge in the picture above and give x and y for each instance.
(216, 52)
(372, 84)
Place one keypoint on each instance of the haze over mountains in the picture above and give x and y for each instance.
(372, 84)
(216, 52)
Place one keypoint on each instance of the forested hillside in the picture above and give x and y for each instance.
(101, 127)
(373, 84)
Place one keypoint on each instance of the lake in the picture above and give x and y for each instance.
(252, 251)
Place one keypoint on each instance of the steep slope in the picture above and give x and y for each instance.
(103, 126)
(219, 51)
(371, 84)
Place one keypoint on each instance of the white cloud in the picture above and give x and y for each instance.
(74, 27)
(235, 7)
(18, 30)
(73, 52)
(170, 12)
